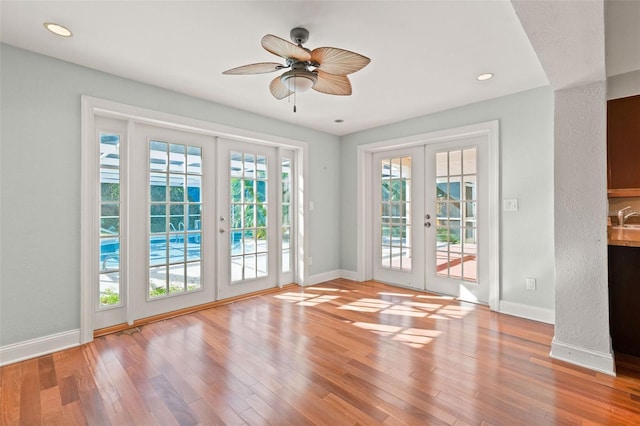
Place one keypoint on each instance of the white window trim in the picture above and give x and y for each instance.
(90, 107)
(364, 244)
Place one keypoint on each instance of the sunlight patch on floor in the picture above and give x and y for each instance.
(413, 337)
(408, 308)
(434, 297)
(327, 289)
(406, 311)
(366, 305)
(306, 299)
(385, 293)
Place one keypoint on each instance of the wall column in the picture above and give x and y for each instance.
(580, 231)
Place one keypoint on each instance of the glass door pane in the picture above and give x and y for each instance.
(395, 213)
(175, 203)
(456, 205)
(248, 208)
(287, 199)
(110, 288)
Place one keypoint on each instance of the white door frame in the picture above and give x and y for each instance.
(91, 107)
(364, 219)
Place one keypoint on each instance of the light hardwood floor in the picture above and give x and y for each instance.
(339, 353)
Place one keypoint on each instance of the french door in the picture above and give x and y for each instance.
(171, 244)
(398, 231)
(187, 218)
(247, 218)
(430, 218)
(456, 207)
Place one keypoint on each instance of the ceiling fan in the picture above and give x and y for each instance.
(324, 69)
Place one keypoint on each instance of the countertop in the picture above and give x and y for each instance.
(628, 237)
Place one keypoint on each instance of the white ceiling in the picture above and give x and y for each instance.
(425, 55)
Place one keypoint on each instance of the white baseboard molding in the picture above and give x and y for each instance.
(332, 275)
(40, 346)
(324, 276)
(593, 360)
(349, 275)
(529, 312)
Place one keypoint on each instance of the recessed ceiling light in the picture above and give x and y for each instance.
(485, 76)
(338, 120)
(58, 29)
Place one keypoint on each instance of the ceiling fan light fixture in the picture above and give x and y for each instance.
(299, 80)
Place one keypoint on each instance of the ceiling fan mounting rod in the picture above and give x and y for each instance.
(299, 35)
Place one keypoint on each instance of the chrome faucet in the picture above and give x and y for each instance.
(622, 217)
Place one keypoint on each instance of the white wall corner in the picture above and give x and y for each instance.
(527, 311)
(349, 275)
(332, 275)
(323, 277)
(583, 357)
(40, 346)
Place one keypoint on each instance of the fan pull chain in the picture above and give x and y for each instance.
(295, 91)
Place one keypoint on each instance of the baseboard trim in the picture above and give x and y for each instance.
(583, 357)
(332, 275)
(323, 277)
(349, 275)
(529, 312)
(40, 346)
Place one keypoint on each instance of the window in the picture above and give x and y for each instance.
(110, 288)
(286, 214)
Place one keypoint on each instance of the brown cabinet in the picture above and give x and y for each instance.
(624, 299)
(623, 147)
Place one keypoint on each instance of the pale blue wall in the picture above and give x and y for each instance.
(40, 183)
(526, 173)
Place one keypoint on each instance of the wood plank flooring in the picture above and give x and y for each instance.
(339, 353)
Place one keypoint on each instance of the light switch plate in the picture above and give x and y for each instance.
(510, 204)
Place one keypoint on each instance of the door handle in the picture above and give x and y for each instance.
(222, 230)
(427, 224)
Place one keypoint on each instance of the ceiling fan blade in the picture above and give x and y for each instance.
(338, 61)
(259, 68)
(284, 48)
(332, 84)
(278, 89)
